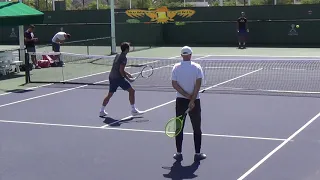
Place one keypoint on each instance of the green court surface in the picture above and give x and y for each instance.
(74, 70)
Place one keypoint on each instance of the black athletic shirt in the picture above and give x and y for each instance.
(242, 23)
(115, 71)
(28, 35)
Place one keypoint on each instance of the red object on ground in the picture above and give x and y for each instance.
(44, 63)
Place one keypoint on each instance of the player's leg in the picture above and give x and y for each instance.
(181, 107)
(112, 89)
(240, 38)
(56, 48)
(125, 85)
(195, 117)
(244, 33)
(33, 57)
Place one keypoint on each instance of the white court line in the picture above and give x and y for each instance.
(150, 109)
(136, 130)
(36, 97)
(241, 55)
(210, 58)
(243, 67)
(201, 91)
(26, 89)
(226, 67)
(271, 90)
(57, 92)
(278, 148)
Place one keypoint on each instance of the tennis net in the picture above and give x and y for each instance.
(250, 75)
(93, 46)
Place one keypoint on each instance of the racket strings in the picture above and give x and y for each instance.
(147, 71)
(174, 127)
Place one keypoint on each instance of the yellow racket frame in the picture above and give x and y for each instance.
(173, 132)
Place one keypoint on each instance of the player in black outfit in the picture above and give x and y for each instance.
(242, 28)
(30, 41)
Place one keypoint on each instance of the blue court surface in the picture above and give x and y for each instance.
(54, 132)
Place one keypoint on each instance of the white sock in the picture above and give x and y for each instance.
(102, 108)
(133, 106)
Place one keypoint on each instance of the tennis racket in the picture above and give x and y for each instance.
(174, 125)
(145, 72)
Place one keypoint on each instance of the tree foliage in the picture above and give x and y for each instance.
(310, 1)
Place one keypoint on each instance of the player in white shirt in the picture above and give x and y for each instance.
(57, 40)
(186, 80)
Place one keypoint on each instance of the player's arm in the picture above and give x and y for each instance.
(247, 26)
(60, 41)
(128, 74)
(197, 85)
(196, 89)
(237, 25)
(176, 86)
(123, 72)
(27, 39)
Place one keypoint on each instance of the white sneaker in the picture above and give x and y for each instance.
(136, 112)
(103, 114)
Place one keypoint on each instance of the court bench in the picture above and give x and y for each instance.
(9, 63)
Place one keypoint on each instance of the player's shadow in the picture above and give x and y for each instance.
(116, 122)
(179, 172)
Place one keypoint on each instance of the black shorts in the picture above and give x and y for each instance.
(31, 49)
(242, 32)
(55, 47)
(118, 82)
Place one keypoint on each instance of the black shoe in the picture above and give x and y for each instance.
(199, 157)
(178, 157)
(244, 46)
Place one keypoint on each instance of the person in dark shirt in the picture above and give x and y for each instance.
(30, 41)
(242, 28)
(118, 77)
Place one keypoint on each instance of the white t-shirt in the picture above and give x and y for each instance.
(60, 36)
(186, 73)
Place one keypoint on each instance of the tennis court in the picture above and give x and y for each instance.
(260, 121)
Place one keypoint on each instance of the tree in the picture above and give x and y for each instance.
(310, 1)
(270, 2)
(93, 5)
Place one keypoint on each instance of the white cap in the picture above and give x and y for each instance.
(186, 50)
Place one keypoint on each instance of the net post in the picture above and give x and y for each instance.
(113, 29)
(26, 67)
